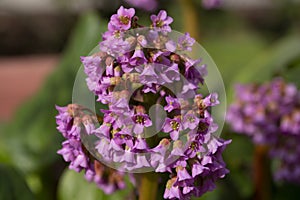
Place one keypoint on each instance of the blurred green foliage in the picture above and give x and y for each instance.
(29, 143)
(13, 185)
(74, 186)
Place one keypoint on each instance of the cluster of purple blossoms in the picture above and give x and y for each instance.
(72, 121)
(136, 69)
(270, 114)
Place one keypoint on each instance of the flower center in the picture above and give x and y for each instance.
(159, 23)
(202, 127)
(194, 146)
(191, 119)
(140, 119)
(175, 125)
(124, 19)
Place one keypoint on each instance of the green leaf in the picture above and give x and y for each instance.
(274, 60)
(232, 53)
(74, 186)
(13, 185)
(31, 140)
(292, 74)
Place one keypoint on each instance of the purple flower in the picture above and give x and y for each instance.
(69, 121)
(140, 144)
(141, 121)
(72, 152)
(173, 126)
(182, 173)
(172, 104)
(159, 153)
(148, 75)
(197, 169)
(92, 66)
(190, 121)
(185, 42)
(269, 114)
(211, 100)
(121, 20)
(195, 73)
(178, 148)
(88, 122)
(162, 21)
(171, 46)
(129, 78)
(168, 74)
(138, 58)
(172, 191)
(63, 121)
(103, 146)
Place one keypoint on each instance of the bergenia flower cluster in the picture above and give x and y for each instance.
(270, 114)
(136, 69)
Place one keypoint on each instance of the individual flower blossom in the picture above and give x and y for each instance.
(141, 121)
(171, 46)
(93, 64)
(121, 20)
(149, 76)
(72, 152)
(269, 114)
(168, 74)
(118, 22)
(211, 100)
(193, 72)
(67, 121)
(172, 104)
(185, 42)
(138, 58)
(190, 120)
(162, 21)
(172, 191)
(173, 126)
(130, 74)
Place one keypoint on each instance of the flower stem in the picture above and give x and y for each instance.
(148, 186)
(262, 173)
(190, 18)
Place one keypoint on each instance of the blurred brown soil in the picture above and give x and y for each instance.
(20, 78)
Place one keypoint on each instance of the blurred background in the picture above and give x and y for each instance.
(41, 42)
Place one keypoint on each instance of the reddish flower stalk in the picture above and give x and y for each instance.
(262, 173)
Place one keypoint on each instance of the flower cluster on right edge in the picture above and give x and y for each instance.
(270, 115)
